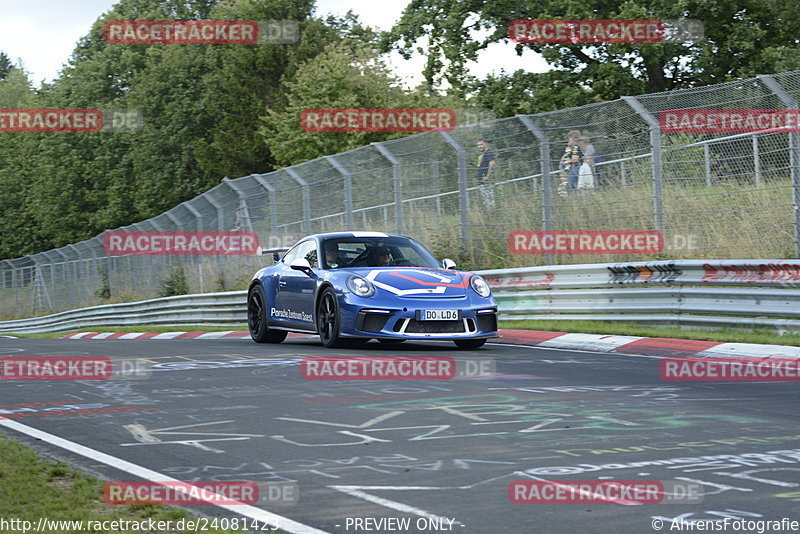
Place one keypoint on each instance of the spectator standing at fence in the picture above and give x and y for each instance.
(486, 163)
(587, 172)
(237, 225)
(571, 162)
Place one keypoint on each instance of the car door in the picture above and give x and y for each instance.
(296, 288)
(277, 312)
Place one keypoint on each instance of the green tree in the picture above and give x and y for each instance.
(340, 77)
(201, 108)
(15, 89)
(742, 38)
(5, 65)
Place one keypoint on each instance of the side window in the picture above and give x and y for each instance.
(293, 253)
(308, 250)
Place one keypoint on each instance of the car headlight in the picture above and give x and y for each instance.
(480, 286)
(360, 286)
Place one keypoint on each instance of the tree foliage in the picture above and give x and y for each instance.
(202, 109)
(742, 38)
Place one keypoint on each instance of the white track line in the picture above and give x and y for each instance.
(252, 512)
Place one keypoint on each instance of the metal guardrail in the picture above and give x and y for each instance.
(202, 308)
(736, 293)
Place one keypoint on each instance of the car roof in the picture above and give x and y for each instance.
(339, 235)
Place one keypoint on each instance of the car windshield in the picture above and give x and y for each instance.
(376, 252)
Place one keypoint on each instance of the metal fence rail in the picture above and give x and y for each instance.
(735, 195)
(738, 293)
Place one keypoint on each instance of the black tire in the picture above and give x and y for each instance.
(469, 344)
(329, 322)
(391, 341)
(257, 318)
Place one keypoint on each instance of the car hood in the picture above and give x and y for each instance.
(416, 282)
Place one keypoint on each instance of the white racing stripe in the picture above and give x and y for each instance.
(252, 512)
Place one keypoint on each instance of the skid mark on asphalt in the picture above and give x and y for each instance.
(144, 436)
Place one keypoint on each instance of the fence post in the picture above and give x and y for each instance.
(398, 184)
(8, 267)
(348, 189)
(544, 162)
(217, 206)
(655, 150)
(623, 174)
(244, 218)
(794, 153)
(707, 160)
(306, 226)
(198, 218)
(756, 160)
(273, 202)
(76, 271)
(171, 216)
(40, 286)
(544, 158)
(52, 295)
(462, 185)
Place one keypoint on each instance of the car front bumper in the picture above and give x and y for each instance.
(477, 321)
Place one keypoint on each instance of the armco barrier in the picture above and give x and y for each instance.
(743, 293)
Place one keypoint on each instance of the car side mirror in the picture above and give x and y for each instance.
(301, 264)
(447, 263)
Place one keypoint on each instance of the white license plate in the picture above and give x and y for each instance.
(439, 315)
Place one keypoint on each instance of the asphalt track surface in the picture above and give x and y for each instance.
(439, 453)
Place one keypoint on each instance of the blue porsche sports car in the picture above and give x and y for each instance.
(357, 286)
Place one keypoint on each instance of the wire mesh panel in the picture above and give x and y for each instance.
(724, 194)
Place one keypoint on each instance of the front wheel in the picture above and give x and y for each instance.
(329, 323)
(257, 318)
(468, 344)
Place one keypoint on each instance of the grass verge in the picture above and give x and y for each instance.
(34, 488)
